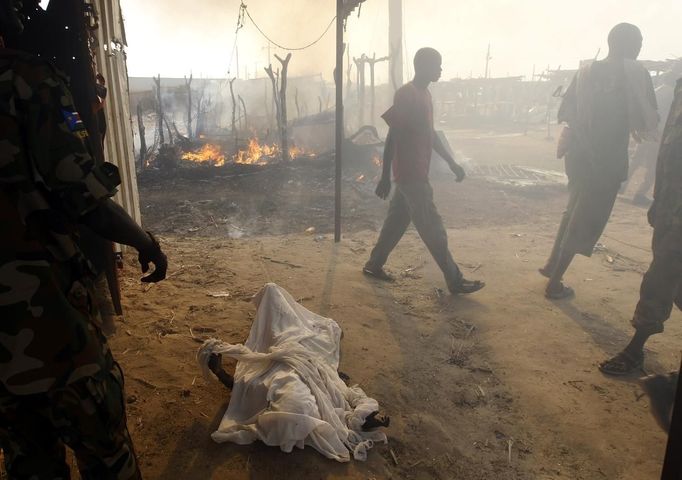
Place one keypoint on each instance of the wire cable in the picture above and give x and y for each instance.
(240, 25)
(291, 49)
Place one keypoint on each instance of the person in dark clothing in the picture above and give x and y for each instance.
(409, 144)
(646, 152)
(661, 287)
(606, 102)
(59, 382)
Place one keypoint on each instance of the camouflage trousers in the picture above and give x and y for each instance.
(662, 283)
(88, 416)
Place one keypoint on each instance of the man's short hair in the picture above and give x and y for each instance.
(624, 36)
(425, 56)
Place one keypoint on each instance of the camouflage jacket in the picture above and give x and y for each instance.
(48, 179)
(667, 207)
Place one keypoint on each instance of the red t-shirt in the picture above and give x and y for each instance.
(411, 121)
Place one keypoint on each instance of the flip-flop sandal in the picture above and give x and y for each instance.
(379, 274)
(467, 286)
(565, 292)
(622, 364)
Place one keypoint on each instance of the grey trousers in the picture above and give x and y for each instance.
(584, 220)
(413, 202)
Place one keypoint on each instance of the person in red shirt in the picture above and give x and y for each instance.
(409, 144)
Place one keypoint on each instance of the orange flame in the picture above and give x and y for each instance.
(256, 154)
(207, 153)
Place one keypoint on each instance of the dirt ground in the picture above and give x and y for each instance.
(501, 384)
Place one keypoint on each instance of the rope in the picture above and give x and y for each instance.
(292, 49)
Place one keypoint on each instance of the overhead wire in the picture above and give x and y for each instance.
(243, 9)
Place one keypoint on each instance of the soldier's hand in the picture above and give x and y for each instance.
(458, 171)
(155, 256)
(383, 188)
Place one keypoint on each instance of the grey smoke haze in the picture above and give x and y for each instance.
(172, 37)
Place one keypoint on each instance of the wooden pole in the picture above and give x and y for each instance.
(338, 78)
(234, 115)
(188, 85)
(395, 42)
(372, 62)
(274, 79)
(159, 108)
(143, 141)
(283, 132)
(246, 122)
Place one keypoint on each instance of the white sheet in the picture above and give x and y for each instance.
(287, 391)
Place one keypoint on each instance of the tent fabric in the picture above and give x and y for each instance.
(287, 391)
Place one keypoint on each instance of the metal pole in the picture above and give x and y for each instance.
(672, 464)
(338, 78)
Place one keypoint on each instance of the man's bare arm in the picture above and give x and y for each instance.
(384, 187)
(445, 155)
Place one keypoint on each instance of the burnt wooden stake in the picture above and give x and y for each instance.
(234, 113)
(283, 133)
(143, 141)
(188, 86)
(274, 79)
(159, 108)
(372, 62)
(170, 134)
(360, 65)
(246, 123)
(298, 108)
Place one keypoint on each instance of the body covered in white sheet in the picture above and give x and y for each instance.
(287, 391)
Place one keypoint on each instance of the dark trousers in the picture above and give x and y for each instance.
(662, 283)
(644, 157)
(583, 222)
(413, 202)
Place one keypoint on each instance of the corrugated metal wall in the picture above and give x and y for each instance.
(111, 63)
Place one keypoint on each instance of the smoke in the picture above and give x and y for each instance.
(172, 37)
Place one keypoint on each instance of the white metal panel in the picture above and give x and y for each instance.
(118, 143)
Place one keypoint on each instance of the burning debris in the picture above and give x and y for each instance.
(256, 153)
(208, 153)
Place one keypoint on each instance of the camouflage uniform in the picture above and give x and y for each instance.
(59, 383)
(662, 284)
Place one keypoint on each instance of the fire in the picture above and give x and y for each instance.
(360, 178)
(256, 154)
(261, 154)
(376, 160)
(207, 153)
(296, 152)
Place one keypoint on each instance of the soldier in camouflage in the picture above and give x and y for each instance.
(59, 384)
(662, 284)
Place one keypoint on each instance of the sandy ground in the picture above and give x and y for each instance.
(501, 384)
